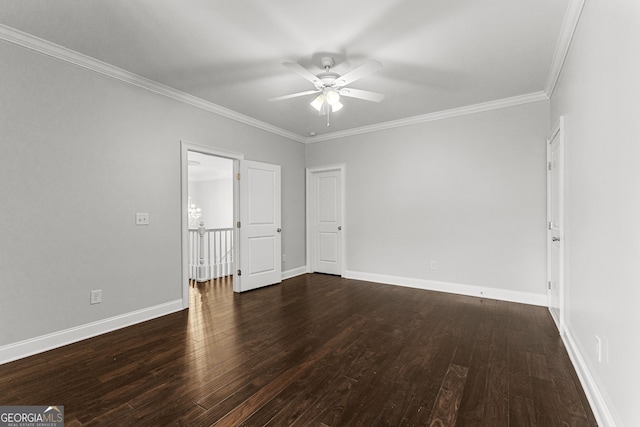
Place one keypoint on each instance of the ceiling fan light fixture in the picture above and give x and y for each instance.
(332, 97)
(328, 100)
(317, 102)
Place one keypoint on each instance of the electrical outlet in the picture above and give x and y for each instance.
(142, 219)
(96, 296)
(434, 264)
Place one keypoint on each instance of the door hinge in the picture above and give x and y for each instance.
(549, 285)
(550, 225)
(239, 272)
(548, 165)
(239, 224)
(238, 176)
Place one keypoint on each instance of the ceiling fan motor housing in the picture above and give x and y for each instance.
(327, 79)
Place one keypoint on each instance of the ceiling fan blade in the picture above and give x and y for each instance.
(359, 72)
(301, 71)
(294, 95)
(361, 94)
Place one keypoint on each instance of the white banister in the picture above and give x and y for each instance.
(213, 259)
(202, 274)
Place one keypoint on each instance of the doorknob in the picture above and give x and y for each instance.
(555, 239)
(279, 230)
(339, 227)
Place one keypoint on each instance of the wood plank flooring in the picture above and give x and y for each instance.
(315, 350)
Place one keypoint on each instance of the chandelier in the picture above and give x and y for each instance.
(195, 213)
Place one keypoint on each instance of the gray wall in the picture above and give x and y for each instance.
(81, 154)
(468, 192)
(599, 96)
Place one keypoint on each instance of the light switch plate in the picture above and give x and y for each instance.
(96, 296)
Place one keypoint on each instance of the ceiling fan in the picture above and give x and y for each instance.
(330, 85)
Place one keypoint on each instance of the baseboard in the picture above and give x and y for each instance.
(604, 416)
(53, 340)
(294, 272)
(453, 288)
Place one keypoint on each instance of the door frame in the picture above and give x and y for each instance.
(185, 147)
(310, 193)
(557, 131)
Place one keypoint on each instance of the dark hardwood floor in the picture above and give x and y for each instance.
(315, 350)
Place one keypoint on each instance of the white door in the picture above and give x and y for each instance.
(555, 246)
(260, 233)
(326, 217)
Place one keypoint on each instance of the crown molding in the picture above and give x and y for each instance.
(61, 53)
(439, 115)
(569, 26)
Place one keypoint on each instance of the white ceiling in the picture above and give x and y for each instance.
(437, 55)
(203, 167)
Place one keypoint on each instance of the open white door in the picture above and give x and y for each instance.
(555, 235)
(260, 234)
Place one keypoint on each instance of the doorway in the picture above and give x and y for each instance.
(256, 209)
(325, 219)
(210, 213)
(187, 148)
